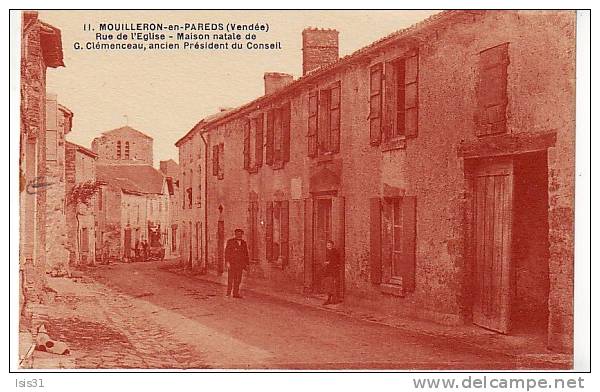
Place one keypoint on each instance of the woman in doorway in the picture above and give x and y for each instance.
(331, 272)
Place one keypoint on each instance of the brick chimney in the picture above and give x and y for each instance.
(275, 81)
(319, 48)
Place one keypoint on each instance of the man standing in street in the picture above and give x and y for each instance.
(237, 259)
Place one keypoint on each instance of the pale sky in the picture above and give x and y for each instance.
(165, 93)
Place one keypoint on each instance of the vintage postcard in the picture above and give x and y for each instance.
(296, 190)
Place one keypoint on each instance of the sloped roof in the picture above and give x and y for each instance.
(82, 149)
(132, 178)
(205, 120)
(126, 130)
(405, 33)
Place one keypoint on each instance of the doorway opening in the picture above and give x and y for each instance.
(530, 245)
(510, 243)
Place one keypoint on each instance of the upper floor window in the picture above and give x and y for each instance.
(324, 120)
(218, 155)
(118, 149)
(278, 136)
(491, 91)
(253, 143)
(126, 150)
(394, 99)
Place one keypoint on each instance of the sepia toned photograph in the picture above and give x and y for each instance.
(295, 190)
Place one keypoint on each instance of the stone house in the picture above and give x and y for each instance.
(193, 184)
(439, 159)
(123, 146)
(80, 168)
(133, 203)
(41, 48)
(59, 120)
(170, 169)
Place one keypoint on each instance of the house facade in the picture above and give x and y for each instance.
(58, 124)
(439, 159)
(170, 169)
(80, 168)
(41, 48)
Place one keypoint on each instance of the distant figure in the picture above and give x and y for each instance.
(333, 265)
(105, 252)
(144, 250)
(237, 260)
(136, 250)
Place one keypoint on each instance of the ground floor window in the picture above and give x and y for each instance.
(393, 241)
(277, 232)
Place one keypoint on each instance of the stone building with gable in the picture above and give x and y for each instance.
(124, 146)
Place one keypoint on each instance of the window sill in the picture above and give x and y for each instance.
(277, 165)
(326, 157)
(393, 288)
(394, 144)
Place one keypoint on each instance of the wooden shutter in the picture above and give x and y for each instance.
(409, 230)
(215, 160)
(323, 140)
(247, 144)
(389, 118)
(376, 73)
(259, 124)
(270, 137)
(387, 240)
(308, 243)
(334, 116)
(411, 96)
(221, 160)
(286, 117)
(491, 91)
(51, 113)
(375, 240)
(313, 112)
(269, 231)
(285, 231)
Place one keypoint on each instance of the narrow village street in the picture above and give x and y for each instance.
(142, 315)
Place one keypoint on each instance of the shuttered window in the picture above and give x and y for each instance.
(393, 241)
(126, 150)
(491, 91)
(278, 135)
(259, 139)
(119, 149)
(277, 232)
(375, 103)
(324, 120)
(401, 97)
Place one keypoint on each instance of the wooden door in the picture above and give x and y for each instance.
(338, 229)
(492, 188)
(323, 233)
